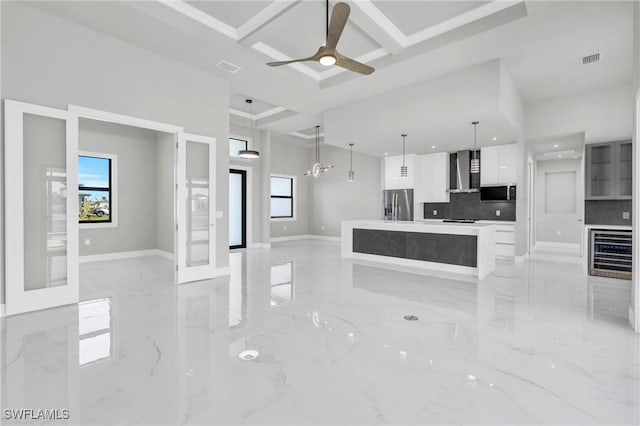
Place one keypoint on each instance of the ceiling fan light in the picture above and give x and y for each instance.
(248, 153)
(327, 60)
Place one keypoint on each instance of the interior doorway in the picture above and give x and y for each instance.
(237, 208)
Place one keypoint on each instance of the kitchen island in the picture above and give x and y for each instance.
(450, 247)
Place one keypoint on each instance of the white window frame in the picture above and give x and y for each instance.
(294, 195)
(249, 140)
(113, 202)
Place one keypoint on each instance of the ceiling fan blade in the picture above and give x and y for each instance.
(310, 58)
(353, 65)
(339, 17)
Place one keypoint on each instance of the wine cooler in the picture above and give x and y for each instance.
(610, 254)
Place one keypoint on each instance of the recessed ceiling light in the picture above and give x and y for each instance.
(555, 145)
(386, 153)
(471, 377)
(433, 147)
(494, 138)
(560, 156)
(248, 355)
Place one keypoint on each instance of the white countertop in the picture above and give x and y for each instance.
(437, 227)
(612, 227)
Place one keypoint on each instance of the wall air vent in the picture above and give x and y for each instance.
(590, 59)
(228, 66)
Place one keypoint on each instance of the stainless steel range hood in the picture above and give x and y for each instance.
(463, 173)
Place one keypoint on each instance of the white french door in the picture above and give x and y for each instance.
(196, 208)
(41, 207)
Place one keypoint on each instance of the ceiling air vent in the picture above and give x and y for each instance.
(590, 59)
(228, 66)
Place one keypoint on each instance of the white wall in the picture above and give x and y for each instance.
(634, 311)
(604, 114)
(549, 224)
(293, 159)
(50, 61)
(258, 221)
(137, 188)
(165, 192)
(334, 199)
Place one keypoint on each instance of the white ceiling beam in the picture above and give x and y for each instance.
(205, 19)
(377, 26)
(263, 18)
(461, 20)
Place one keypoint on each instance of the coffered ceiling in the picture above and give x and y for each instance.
(408, 42)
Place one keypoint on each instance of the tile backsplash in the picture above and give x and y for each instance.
(469, 206)
(607, 212)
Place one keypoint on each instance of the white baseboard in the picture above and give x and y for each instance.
(632, 320)
(259, 245)
(2, 310)
(551, 245)
(521, 259)
(305, 237)
(325, 238)
(219, 272)
(125, 255)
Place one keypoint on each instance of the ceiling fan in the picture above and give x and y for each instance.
(327, 54)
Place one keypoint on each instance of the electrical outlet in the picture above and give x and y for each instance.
(435, 212)
(322, 227)
(559, 232)
(284, 227)
(625, 215)
(87, 241)
(497, 212)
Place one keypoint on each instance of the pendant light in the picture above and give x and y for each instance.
(249, 153)
(351, 174)
(475, 160)
(403, 169)
(318, 169)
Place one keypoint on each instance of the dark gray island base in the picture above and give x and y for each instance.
(442, 248)
(460, 248)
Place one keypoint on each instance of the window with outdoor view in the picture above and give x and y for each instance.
(94, 189)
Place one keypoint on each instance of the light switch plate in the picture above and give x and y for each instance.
(435, 212)
(625, 215)
(497, 212)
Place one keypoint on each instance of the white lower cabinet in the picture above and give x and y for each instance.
(505, 240)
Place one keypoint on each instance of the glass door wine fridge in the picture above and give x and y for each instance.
(610, 254)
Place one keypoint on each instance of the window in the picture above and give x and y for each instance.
(96, 183)
(236, 145)
(282, 189)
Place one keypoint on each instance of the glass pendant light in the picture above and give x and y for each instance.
(249, 153)
(403, 168)
(475, 161)
(351, 174)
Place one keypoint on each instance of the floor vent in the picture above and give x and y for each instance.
(590, 59)
(228, 66)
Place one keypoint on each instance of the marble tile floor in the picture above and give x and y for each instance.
(534, 343)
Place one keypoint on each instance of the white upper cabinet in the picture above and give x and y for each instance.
(392, 179)
(432, 178)
(498, 165)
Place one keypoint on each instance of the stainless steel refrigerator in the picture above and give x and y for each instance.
(398, 204)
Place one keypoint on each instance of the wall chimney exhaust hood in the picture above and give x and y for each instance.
(462, 166)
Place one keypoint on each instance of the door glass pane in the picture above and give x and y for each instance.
(197, 219)
(625, 169)
(235, 209)
(45, 202)
(601, 171)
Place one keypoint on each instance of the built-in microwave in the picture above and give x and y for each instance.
(498, 193)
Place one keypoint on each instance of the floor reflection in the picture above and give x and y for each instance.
(298, 336)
